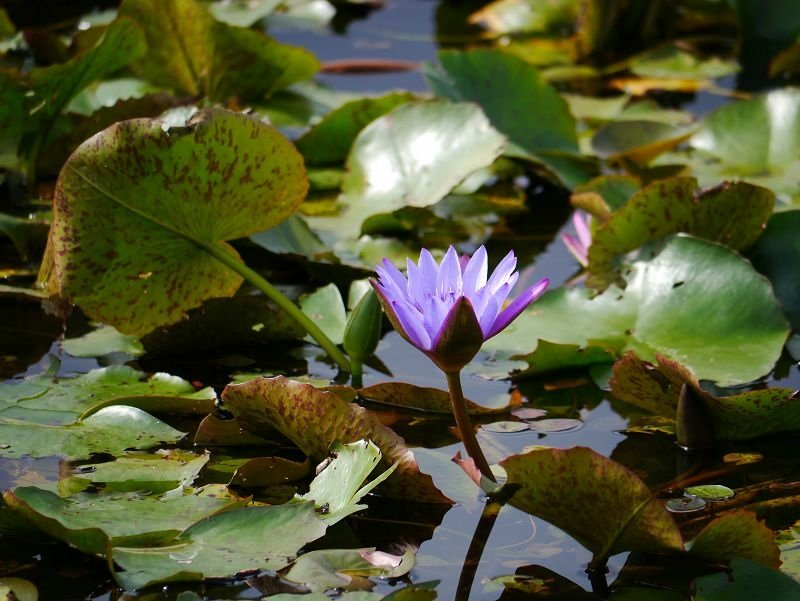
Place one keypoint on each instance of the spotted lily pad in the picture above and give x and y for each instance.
(225, 544)
(692, 302)
(313, 419)
(737, 533)
(570, 489)
(135, 241)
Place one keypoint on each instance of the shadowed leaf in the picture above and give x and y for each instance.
(737, 534)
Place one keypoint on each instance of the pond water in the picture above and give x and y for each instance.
(402, 30)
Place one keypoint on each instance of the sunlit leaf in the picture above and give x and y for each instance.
(325, 307)
(600, 503)
(252, 538)
(412, 156)
(102, 341)
(132, 255)
(692, 302)
(524, 16)
(18, 589)
(670, 62)
(188, 50)
(313, 419)
(737, 534)
(92, 522)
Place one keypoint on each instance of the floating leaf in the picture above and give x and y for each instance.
(710, 492)
(18, 589)
(639, 141)
(548, 426)
(525, 16)
(147, 228)
(737, 534)
(266, 471)
(103, 341)
(775, 254)
(92, 522)
(506, 427)
(252, 538)
(530, 111)
(313, 419)
(685, 504)
(746, 580)
(110, 430)
(670, 62)
(325, 307)
(670, 206)
(338, 488)
(188, 50)
(408, 396)
(329, 141)
(412, 156)
(571, 490)
(47, 400)
(693, 302)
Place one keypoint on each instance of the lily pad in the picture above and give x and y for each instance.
(529, 111)
(188, 50)
(44, 399)
(745, 581)
(711, 492)
(313, 419)
(774, 254)
(737, 533)
(638, 141)
(692, 302)
(225, 544)
(412, 156)
(570, 489)
(110, 430)
(325, 307)
(92, 522)
(103, 341)
(18, 589)
(227, 176)
(670, 206)
(670, 62)
(506, 427)
(418, 398)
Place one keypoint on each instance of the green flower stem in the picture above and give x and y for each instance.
(464, 424)
(279, 299)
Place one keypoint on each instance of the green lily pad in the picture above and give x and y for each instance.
(329, 141)
(670, 206)
(670, 62)
(506, 427)
(604, 194)
(92, 522)
(529, 111)
(345, 596)
(44, 399)
(225, 544)
(775, 254)
(154, 473)
(147, 229)
(338, 488)
(693, 302)
(313, 419)
(737, 533)
(638, 141)
(325, 307)
(188, 50)
(746, 580)
(413, 156)
(103, 341)
(570, 489)
(333, 568)
(711, 492)
(110, 430)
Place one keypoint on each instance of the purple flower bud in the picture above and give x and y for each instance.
(579, 247)
(448, 310)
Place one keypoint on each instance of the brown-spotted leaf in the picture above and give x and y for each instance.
(733, 214)
(313, 419)
(600, 503)
(643, 385)
(418, 398)
(140, 206)
(737, 533)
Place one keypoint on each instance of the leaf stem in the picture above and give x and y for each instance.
(459, 406)
(279, 299)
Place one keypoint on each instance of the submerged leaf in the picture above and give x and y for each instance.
(600, 503)
(314, 419)
(139, 206)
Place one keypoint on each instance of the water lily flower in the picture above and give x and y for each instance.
(579, 247)
(448, 310)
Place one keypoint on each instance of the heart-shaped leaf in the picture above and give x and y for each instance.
(597, 501)
(313, 419)
(140, 206)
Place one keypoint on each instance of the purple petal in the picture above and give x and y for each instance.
(428, 269)
(417, 290)
(489, 315)
(391, 280)
(448, 281)
(502, 272)
(475, 273)
(581, 224)
(434, 312)
(411, 321)
(578, 250)
(519, 304)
